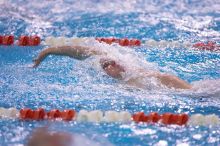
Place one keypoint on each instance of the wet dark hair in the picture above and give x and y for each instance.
(106, 63)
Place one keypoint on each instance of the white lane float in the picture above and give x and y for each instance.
(166, 44)
(65, 41)
(9, 113)
(82, 116)
(125, 116)
(95, 116)
(199, 119)
(111, 116)
(99, 116)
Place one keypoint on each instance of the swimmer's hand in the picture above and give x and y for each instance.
(36, 63)
(43, 54)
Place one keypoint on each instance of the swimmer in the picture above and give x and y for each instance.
(42, 137)
(113, 68)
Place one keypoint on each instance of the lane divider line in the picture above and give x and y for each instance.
(27, 114)
(24, 40)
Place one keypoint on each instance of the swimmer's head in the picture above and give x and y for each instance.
(111, 68)
(106, 62)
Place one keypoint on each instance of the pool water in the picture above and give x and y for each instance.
(64, 83)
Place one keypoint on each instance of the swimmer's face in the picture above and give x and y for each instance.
(112, 68)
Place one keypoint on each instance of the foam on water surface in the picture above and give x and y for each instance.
(62, 82)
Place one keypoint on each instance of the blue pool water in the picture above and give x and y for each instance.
(62, 82)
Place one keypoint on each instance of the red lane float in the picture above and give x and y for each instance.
(210, 46)
(29, 41)
(1, 40)
(166, 118)
(122, 42)
(34, 40)
(68, 115)
(179, 119)
(182, 119)
(22, 41)
(26, 114)
(134, 42)
(7, 40)
(54, 114)
(154, 117)
(41, 114)
(140, 117)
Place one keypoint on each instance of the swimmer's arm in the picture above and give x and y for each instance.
(167, 80)
(172, 81)
(77, 52)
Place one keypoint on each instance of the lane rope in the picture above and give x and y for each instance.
(35, 40)
(27, 114)
(61, 41)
